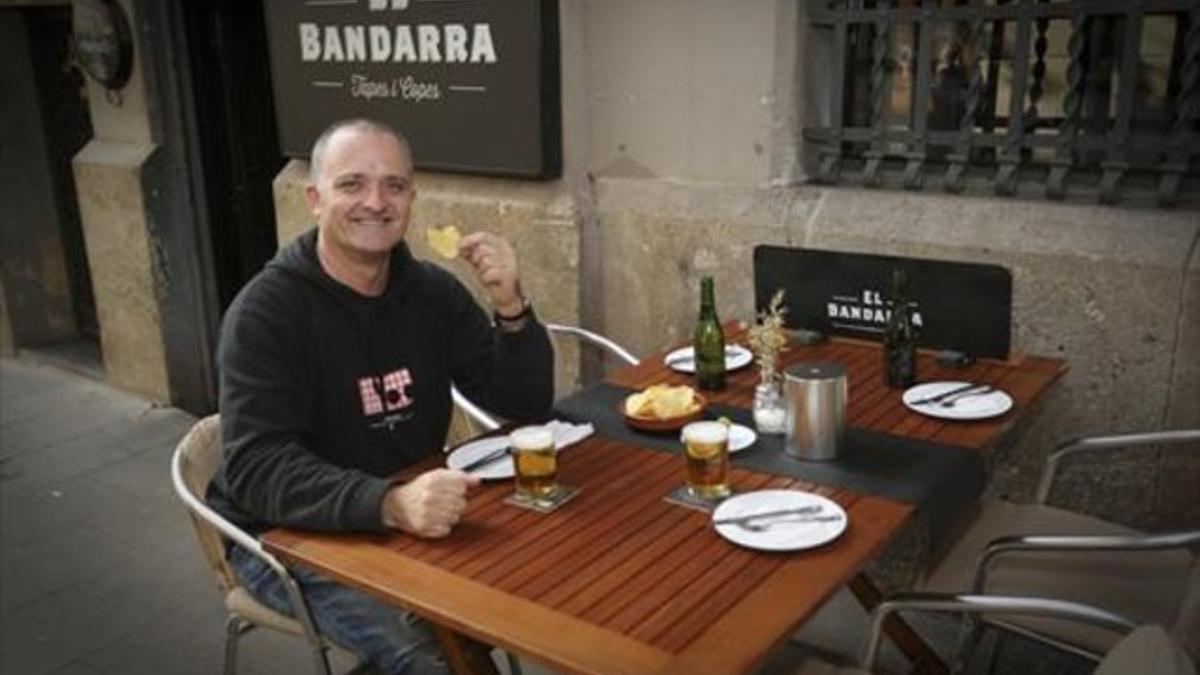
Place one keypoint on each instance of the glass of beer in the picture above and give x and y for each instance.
(536, 464)
(706, 448)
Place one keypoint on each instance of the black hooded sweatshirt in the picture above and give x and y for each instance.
(324, 393)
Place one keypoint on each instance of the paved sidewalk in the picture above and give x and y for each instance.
(99, 570)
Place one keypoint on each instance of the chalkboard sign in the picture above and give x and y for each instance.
(473, 84)
(965, 307)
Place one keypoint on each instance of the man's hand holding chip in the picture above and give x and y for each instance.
(495, 263)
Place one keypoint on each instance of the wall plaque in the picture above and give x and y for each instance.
(472, 83)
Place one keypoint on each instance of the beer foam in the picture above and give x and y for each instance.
(706, 432)
(531, 438)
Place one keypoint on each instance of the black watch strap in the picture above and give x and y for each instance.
(519, 317)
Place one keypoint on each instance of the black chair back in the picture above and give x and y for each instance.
(965, 307)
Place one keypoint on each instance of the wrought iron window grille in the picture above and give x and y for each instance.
(1066, 99)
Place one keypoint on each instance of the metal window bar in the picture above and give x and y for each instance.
(1084, 146)
(918, 142)
(1010, 155)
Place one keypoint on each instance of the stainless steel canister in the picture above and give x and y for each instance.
(815, 395)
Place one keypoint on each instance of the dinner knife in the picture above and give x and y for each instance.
(490, 458)
(952, 392)
(797, 511)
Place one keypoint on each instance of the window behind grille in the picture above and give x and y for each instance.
(1096, 99)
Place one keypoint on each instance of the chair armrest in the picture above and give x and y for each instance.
(985, 604)
(245, 541)
(481, 417)
(1116, 442)
(596, 339)
(1185, 539)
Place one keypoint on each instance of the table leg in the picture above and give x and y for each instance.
(923, 659)
(464, 655)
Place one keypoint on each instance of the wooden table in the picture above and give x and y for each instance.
(614, 581)
(872, 405)
(619, 581)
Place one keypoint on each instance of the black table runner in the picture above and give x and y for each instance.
(942, 481)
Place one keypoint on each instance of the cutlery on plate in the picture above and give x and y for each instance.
(950, 402)
(749, 517)
(938, 398)
(764, 526)
(490, 458)
(680, 359)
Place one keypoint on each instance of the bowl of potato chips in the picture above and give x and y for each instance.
(662, 407)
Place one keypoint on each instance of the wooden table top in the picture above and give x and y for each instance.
(872, 405)
(615, 580)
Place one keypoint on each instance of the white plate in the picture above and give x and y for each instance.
(740, 438)
(976, 407)
(469, 452)
(684, 360)
(783, 535)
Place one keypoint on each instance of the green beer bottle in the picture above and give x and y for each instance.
(900, 338)
(709, 342)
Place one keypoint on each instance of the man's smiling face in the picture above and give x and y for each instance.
(363, 194)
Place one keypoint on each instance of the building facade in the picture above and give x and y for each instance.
(684, 145)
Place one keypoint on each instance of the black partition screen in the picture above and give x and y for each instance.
(961, 306)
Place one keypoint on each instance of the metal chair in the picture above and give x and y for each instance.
(486, 421)
(595, 339)
(1144, 649)
(1041, 550)
(196, 460)
(1147, 649)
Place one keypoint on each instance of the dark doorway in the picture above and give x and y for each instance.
(64, 108)
(237, 141)
(44, 122)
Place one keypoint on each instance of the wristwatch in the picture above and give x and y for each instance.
(514, 323)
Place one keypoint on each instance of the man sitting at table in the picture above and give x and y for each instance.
(335, 368)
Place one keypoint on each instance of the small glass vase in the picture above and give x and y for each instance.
(769, 414)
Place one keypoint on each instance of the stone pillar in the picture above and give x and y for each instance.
(123, 252)
(123, 257)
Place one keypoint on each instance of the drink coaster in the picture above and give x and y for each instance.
(681, 496)
(561, 496)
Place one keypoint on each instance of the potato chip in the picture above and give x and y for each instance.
(637, 405)
(661, 401)
(444, 241)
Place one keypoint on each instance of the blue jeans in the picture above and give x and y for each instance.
(390, 639)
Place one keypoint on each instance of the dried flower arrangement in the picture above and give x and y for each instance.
(767, 338)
